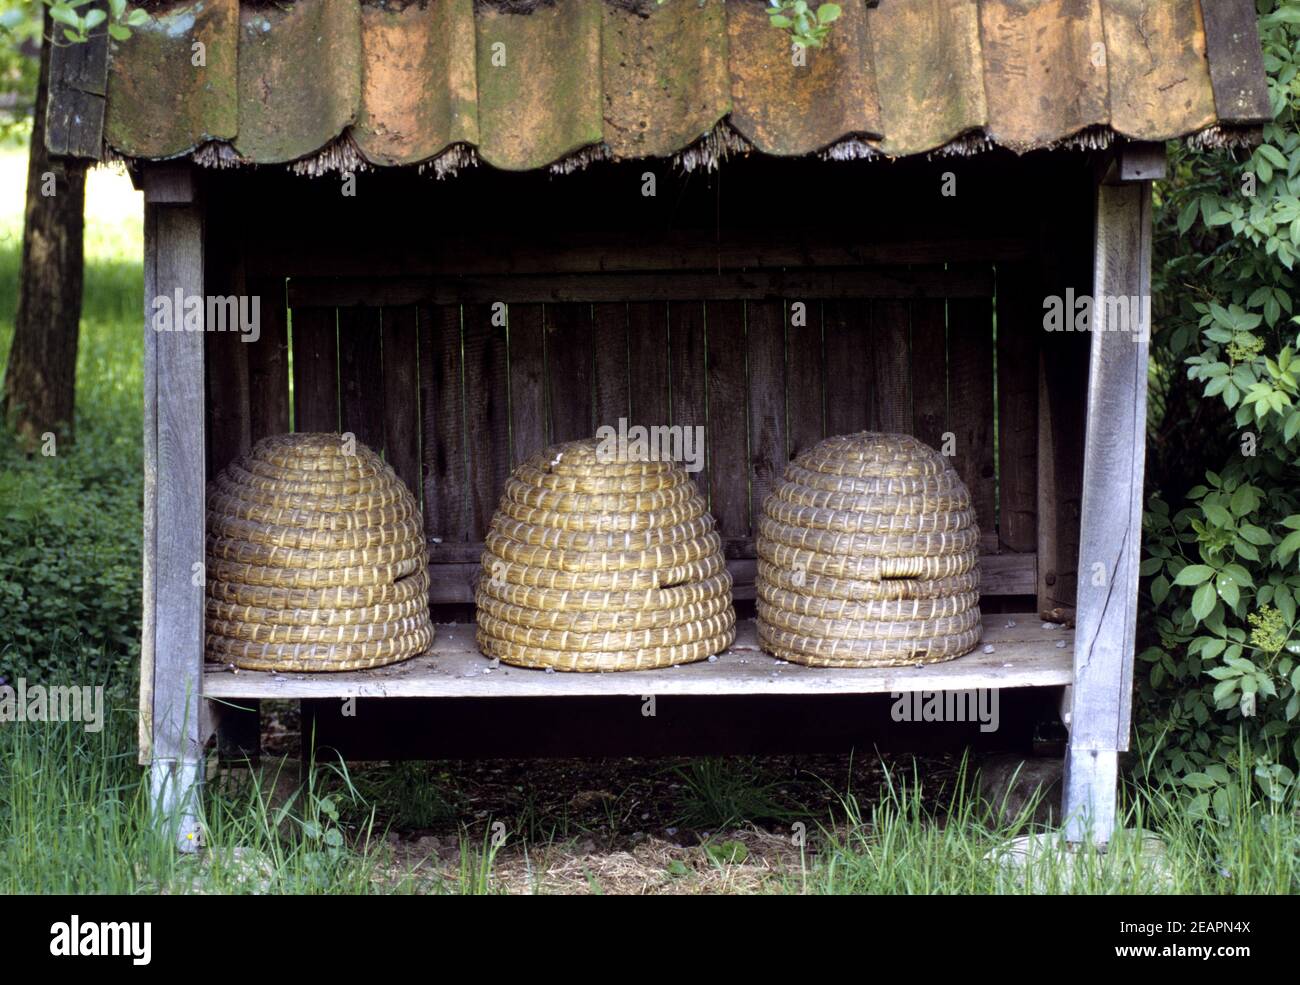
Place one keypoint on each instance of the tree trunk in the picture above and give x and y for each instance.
(40, 379)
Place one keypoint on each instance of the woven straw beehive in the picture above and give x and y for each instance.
(868, 555)
(594, 565)
(316, 559)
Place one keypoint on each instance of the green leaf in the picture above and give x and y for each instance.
(1228, 590)
(118, 33)
(94, 18)
(138, 18)
(64, 14)
(779, 20)
(1198, 781)
(1203, 601)
(117, 8)
(1194, 574)
(828, 12)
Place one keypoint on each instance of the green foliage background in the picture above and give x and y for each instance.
(1219, 677)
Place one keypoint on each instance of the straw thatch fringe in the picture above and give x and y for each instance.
(218, 154)
(579, 159)
(1221, 137)
(711, 149)
(854, 148)
(341, 154)
(450, 162)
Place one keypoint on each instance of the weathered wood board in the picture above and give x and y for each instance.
(1024, 655)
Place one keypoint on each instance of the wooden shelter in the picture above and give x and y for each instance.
(478, 227)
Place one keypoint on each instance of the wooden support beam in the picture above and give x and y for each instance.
(74, 113)
(1111, 524)
(172, 667)
(1140, 161)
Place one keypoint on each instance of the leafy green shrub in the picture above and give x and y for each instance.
(70, 560)
(1218, 683)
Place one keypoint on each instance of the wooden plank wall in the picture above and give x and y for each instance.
(455, 395)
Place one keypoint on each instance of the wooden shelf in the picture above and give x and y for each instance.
(1024, 655)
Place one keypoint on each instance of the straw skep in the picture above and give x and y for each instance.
(316, 559)
(595, 562)
(868, 556)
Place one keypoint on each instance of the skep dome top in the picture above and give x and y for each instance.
(596, 565)
(868, 554)
(316, 560)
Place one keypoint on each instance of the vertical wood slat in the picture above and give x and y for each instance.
(687, 355)
(970, 401)
(148, 593)
(527, 381)
(804, 378)
(846, 330)
(226, 354)
(487, 414)
(929, 358)
(315, 370)
(361, 375)
(765, 345)
(1111, 523)
(613, 392)
(268, 361)
(891, 367)
(178, 530)
(444, 475)
(569, 370)
(648, 363)
(401, 365)
(1017, 348)
(727, 444)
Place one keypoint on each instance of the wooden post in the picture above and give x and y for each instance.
(1111, 524)
(172, 661)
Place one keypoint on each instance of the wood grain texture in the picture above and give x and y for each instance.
(148, 592)
(891, 367)
(804, 377)
(612, 392)
(930, 371)
(226, 353)
(1111, 522)
(268, 361)
(687, 355)
(1236, 61)
(1019, 328)
(648, 363)
(78, 83)
(587, 288)
(970, 402)
(765, 341)
(528, 434)
(315, 370)
(727, 442)
(361, 375)
(846, 336)
(179, 498)
(570, 370)
(444, 469)
(1025, 655)
(401, 374)
(487, 415)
